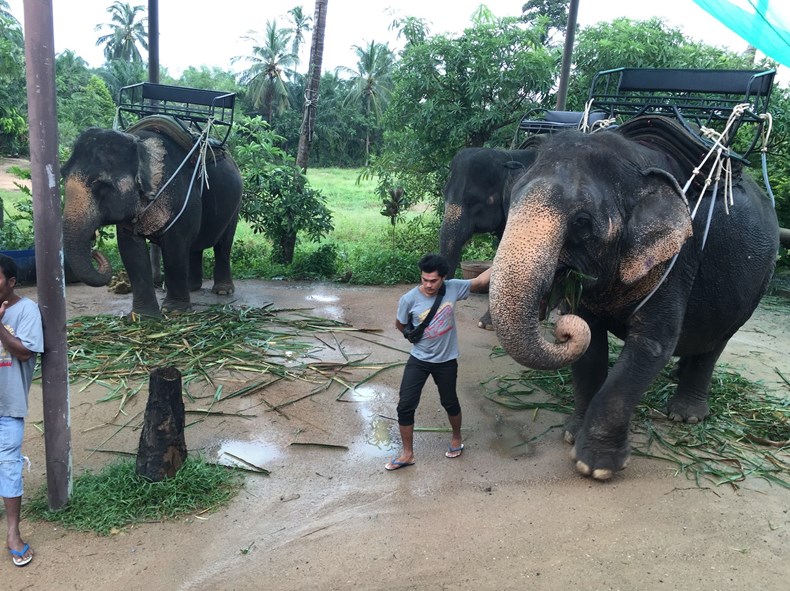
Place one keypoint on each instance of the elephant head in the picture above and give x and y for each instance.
(594, 205)
(476, 196)
(108, 179)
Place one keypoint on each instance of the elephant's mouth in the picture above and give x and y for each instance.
(564, 293)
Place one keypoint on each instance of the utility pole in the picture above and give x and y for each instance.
(48, 229)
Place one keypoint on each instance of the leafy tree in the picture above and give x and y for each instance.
(455, 92)
(639, 44)
(277, 201)
(119, 73)
(13, 99)
(271, 61)
(301, 25)
(90, 106)
(552, 13)
(126, 32)
(372, 83)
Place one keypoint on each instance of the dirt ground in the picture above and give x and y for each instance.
(505, 515)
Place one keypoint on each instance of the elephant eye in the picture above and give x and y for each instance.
(581, 226)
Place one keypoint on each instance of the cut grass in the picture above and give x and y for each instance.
(116, 497)
(746, 435)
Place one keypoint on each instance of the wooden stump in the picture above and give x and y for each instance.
(162, 449)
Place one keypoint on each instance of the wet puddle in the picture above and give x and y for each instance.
(250, 455)
(327, 309)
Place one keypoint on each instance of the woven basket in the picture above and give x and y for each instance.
(471, 269)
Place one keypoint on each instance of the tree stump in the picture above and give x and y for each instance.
(162, 448)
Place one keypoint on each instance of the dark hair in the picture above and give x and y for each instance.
(434, 262)
(8, 267)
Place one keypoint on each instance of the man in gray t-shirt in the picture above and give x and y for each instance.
(21, 337)
(436, 352)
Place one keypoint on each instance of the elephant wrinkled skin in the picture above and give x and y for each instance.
(610, 210)
(125, 179)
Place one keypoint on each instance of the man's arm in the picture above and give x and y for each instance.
(480, 283)
(11, 343)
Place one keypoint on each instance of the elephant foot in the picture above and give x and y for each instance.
(137, 314)
(223, 288)
(572, 427)
(176, 307)
(597, 460)
(485, 321)
(683, 409)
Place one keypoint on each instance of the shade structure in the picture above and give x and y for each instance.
(764, 24)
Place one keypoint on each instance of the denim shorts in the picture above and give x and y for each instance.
(12, 430)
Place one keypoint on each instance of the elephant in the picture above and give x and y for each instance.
(609, 212)
(136, 181)
(476, 199)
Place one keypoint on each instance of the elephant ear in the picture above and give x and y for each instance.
(150, 166)
(658, 226)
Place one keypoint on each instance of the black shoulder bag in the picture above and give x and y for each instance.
(413, 333)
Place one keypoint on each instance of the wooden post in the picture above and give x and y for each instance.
(162, 449)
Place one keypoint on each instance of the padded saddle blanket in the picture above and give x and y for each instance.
(176, 131)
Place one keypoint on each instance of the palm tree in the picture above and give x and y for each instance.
(272, 63)
(126, 33)
(301, 25)
(313, 82)
(372, 82)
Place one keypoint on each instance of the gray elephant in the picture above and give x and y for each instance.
(136, 182)
(610, 210)
(476, 199)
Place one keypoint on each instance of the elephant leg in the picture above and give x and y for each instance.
(589, 374)
(176, 278)
(223, 279)
(690, 402)
(195, 270)
(601, 444)
(485, 321)
(136, 261)
(156, 264)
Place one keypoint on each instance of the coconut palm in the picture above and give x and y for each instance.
(301, 25)
(372, 82)
(126, 32)
(271, 62)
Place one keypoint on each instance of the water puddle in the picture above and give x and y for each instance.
(326, 309)
(249, 455)
(379, 437)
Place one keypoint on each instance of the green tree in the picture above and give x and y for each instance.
(553, 14)
(13, 98)
(125, 34)
(455, 92)
(277, 200)
(371, 84)
(119, 73)
(639, 44)
(271, 62)
(301, 25)
(90, 106)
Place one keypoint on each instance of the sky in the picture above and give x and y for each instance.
(210, 33)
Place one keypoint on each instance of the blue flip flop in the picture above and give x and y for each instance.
(454, 452)
(18, 556)
(396, 465)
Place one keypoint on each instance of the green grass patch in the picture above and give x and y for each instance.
(116, 497)
(746, 434)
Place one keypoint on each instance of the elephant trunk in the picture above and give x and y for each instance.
(523, 274)
(453, 235)
(80, 222)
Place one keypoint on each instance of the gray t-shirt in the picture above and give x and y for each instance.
(439, 342)
(23, 320)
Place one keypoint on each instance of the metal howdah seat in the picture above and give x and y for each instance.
(539, 120)
(195, 108)
(721, 101)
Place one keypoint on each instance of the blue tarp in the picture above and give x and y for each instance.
(764, 24)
